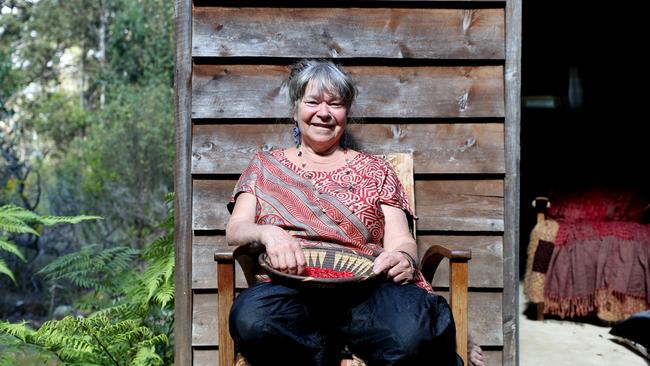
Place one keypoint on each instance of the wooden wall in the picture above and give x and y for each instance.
(436, 79)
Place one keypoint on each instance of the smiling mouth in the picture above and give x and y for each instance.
(323, 125)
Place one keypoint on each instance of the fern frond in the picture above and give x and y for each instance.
(159, 339)
(165, 294)
(11, 248)
(91, 267)
(147, 356)
(18, 213)
(12, 225)
(6, 271)
(18, 330)
(122, 311)
(53, 220)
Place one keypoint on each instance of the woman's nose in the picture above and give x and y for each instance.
(323, 111)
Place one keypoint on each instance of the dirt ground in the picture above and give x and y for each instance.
(566, 343)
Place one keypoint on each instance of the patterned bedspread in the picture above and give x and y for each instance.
(588, 268)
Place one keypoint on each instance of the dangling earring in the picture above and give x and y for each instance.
(296, 135)
(344, 139)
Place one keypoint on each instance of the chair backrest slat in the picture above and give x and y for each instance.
(402, 164)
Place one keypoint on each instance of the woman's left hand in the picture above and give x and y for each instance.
(396, 265)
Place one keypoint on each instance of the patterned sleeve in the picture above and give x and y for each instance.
(392, 192)
(246, 181)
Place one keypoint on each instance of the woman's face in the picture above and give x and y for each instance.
(321, 118)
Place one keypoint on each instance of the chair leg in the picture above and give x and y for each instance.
(458, 300)
(539, 310)
(226, 284)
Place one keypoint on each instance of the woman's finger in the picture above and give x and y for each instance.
(300, 261)
(400, 267)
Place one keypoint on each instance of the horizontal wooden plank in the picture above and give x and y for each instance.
(493, 357)
(348, 33)
(447, 205)
(204, 268)
(484, 318)
(259, 91)
(459, 205)
(205, 357)
(448, 148)
(210, 357)
(209, 199)
(204, 319)
(485, 268)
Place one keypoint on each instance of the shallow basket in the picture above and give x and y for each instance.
(338, 259)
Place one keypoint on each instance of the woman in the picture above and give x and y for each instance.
(322, 193)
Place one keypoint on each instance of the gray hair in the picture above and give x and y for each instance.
(327, 77)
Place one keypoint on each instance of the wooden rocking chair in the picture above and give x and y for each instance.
(402, 163)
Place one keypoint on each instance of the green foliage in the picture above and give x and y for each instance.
(92, 268)
(95, 340)
(135, 322)
(17, 220)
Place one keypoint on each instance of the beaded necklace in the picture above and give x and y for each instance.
(311, 174)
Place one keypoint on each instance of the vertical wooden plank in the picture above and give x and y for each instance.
(512, 183)
(458, 276)
(183, 183)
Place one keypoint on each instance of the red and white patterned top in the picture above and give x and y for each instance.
(341, 206)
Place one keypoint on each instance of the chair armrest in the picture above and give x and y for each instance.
(458, 283)
(436, 253)
(225, 257)
(227, 254)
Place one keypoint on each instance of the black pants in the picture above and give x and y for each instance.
(389, 324)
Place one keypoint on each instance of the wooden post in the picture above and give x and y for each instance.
(226, 283)
(458, 276)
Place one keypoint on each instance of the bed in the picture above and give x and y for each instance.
(589, 254)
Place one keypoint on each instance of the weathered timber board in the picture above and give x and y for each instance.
(448, 148)
(447, 205)
(484, 318)
(348, 33)
(259, 91)
(459, 205)
(210, 357)
(485, 268)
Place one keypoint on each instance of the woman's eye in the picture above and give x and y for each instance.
(311, 102)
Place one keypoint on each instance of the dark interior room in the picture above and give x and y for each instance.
(583, 84)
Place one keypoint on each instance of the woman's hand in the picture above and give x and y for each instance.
(396, 265)
(284, 251)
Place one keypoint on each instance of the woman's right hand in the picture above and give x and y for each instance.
(284, 251)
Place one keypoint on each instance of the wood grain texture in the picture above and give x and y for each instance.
(445, 205)
(459, 205)
(204, 268)
(205, 319)
(485, 267)
(206, 357)
(209, 357)
(226, 278)
(348, 33)
(259, 91)
(485, 319)
(458, 275)
(512, 180)
(444, 148)
(182, 183)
